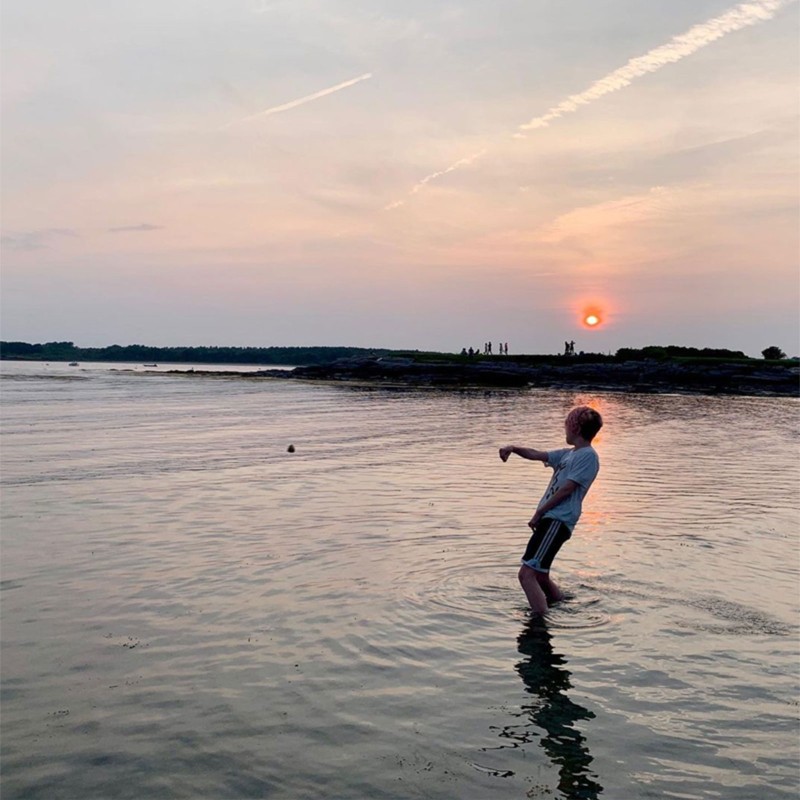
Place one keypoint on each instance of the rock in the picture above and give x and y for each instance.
(648, 376)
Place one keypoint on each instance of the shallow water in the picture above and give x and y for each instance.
(188, 610)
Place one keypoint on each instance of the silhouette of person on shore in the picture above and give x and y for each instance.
(551, 715)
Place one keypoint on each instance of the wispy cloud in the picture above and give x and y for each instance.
(593, 220)
(145, 226)
(679, 47)
(35, 240)
(301, 100)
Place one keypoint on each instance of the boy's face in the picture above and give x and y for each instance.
(571, 430)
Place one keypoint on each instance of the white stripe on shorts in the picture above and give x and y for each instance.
(546, 541)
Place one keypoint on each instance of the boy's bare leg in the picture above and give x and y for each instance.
(549, 586)
(533, 591)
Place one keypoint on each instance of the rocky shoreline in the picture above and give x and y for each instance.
(735, 378)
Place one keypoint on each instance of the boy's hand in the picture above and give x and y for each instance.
(505, 452)
(534, 520)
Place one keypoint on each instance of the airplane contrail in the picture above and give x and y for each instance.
(462, 162)
(301, 100)
(697, 37)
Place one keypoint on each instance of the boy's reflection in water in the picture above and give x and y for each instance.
(552, 714)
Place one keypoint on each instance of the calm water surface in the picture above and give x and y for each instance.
(190, 611)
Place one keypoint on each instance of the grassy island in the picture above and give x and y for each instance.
(649, 369)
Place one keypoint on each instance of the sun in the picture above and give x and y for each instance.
(593, 313)
(592, 318)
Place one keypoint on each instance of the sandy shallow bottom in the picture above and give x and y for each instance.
(190, 611)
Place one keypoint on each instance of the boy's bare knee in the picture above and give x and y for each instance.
(526, 573)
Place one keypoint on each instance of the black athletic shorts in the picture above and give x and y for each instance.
(548, 536)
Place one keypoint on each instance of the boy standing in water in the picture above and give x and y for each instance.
(574, 470)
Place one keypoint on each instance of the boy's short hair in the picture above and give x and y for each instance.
(587, 420)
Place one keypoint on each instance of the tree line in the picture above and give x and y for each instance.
(771, 353)
(139, 353)
(309, 356)
(676, 351)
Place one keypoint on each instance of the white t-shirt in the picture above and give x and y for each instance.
(569, 464)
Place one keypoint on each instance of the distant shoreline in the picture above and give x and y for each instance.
(652, 369)
(653, 377)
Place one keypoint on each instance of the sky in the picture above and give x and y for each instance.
(401, 174)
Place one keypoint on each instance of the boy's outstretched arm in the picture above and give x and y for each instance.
(523, 452)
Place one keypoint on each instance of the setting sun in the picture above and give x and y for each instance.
(592, 317)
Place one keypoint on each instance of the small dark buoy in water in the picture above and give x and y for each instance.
(290, 448)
